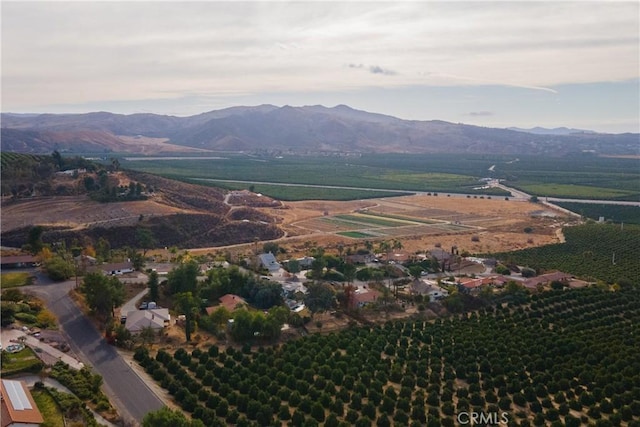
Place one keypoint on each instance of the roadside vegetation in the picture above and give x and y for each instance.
(26, 309)
(15, 280)
(49, 408)
(85, 386)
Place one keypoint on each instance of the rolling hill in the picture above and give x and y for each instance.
(299, 130)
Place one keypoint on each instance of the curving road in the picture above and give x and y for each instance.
(130, 395)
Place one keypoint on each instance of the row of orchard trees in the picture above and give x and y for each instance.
(559, 358)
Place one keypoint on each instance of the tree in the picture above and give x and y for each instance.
(385, 247)
(271, 247)
(103, 294)
(319, 297)
(165, 417)
(58, 268)
(349, 272)
(186, 303)
(147, 335)
(184, 278)
(294, 266)
(145, 240)
(103, 249)
(415, 271)
(153, 285)
(317, 267)
(219, 317)
(58, 160)
(34, 240)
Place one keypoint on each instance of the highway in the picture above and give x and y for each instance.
(129, 394)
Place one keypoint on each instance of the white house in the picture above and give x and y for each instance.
(156, 318)
(269, 262)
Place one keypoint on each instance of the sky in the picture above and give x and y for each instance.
(495, 64)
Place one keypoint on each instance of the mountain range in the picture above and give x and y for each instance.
(296, 130)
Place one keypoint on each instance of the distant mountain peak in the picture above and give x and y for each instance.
(552, 131)
(308, 130)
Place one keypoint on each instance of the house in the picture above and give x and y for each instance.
(85, 260)
(361, 258)
(116, 268)
(156, 318)
(269, 262)
(229, 301)
(19, 261)
(471, 284)
(544, 279)
(430, 289)
(440, 254)
(17, 405)
(364, 297)
(304, 262)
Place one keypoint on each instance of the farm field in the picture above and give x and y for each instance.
(419, 221)
(580, 176)
(568, 356)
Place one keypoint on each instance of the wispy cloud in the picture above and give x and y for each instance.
(480, 113)
(373, 69)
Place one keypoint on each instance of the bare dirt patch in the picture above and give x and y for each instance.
(497, 224)
(77, 211)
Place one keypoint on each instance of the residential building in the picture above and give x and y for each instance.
(229, 301)
(19, 261)
(269, 262)
(116, 268)
(157, 318)
(17, 405)
(364, 297)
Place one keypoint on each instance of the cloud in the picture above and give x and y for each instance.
(480, 113)
(376, 69)
(373, 69)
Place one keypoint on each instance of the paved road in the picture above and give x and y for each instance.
(131, 396)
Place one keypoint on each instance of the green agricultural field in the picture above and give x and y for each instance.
(575, 191)
(356, 234)
(373, 220)
(296, 193)
(572, 176)
(559, 355)
(14, 280)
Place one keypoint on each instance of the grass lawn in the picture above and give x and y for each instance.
(14, 280)
(50, 410)
(20, 361)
